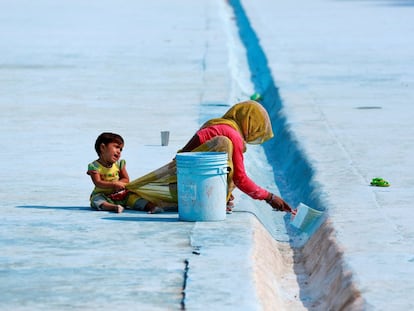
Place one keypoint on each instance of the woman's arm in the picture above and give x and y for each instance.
(242, 181)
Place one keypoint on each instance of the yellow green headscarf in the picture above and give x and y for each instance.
(250, 119)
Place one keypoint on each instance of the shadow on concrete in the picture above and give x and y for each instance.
(145, 219)
(72, 208)
(386, 2)
(403, 3)
(292, 171)
(167, 216)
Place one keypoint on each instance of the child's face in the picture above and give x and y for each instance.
(111, 152)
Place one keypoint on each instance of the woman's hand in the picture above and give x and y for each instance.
(279, 204)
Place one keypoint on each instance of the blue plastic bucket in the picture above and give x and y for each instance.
(202, 185)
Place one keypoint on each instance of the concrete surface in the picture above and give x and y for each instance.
(71, 71)
(344, 70)
(337, 80)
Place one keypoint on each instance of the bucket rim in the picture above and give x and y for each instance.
(196, 153)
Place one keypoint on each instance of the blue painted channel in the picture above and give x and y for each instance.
(293, 173)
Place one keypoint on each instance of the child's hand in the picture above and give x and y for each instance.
(118, 185)
(119, 195)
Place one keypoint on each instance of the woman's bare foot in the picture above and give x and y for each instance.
(151, 208)
(230, 205)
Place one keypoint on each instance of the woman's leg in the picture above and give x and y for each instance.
(221, 144)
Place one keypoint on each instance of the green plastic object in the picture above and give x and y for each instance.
(379, 182)
(256, 97)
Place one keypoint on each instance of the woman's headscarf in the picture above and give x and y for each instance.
(250, 119)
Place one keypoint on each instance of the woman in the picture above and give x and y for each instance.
(245, 122)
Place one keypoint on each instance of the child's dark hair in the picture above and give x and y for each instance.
(107, 138)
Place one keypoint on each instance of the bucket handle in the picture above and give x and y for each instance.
(224, 170)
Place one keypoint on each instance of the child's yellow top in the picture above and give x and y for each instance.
(107, 174)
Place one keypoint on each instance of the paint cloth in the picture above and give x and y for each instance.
(160, 186)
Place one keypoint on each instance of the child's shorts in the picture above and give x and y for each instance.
(97, 200)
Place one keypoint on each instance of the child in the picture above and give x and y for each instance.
(110, 176)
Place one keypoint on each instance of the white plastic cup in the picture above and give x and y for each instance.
(165, 137)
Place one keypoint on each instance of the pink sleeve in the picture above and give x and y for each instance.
(240, 178)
